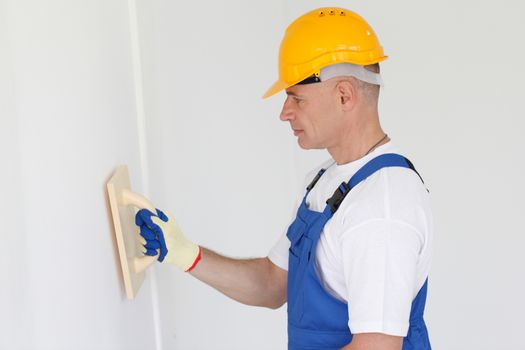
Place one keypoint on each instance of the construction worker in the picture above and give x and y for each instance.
(353, 264)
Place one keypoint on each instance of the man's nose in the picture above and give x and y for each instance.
(286, 112)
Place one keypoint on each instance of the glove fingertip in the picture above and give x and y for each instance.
(162, 254)
(151, 252)
(161, 215)
(138, 219)
(152, 244)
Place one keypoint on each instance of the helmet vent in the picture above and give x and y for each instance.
(331, 13)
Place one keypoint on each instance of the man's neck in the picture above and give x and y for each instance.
(356, 142)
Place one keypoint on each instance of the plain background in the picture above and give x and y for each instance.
(173, 90)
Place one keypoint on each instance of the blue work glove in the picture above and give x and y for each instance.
(161, 232)
(152, 233)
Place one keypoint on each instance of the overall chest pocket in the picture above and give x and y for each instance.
(299, 253)
(295, 233)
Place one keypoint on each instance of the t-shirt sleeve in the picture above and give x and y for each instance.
(379, 263)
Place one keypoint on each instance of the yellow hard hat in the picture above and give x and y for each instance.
(321, 38)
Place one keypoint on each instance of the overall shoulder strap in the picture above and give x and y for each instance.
(377, 163)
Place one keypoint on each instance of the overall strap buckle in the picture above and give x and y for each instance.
(337, 198)
(316, 178)
(377, 163)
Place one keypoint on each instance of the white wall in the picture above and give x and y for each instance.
(14, 303)
(228, 170)
(68, 118)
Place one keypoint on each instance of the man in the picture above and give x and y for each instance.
(353, 264)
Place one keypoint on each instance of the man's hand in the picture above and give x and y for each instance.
(152, 235)
(160, 232)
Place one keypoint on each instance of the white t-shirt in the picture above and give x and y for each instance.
(375, 252)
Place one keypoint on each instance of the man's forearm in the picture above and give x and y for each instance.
(255, 282)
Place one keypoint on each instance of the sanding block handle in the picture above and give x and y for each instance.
(131, 198)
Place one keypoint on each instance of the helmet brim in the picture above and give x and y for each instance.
(278, 86)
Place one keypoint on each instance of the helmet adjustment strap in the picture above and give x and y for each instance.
(314, 78)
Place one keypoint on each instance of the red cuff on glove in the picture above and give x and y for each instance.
(199, 256)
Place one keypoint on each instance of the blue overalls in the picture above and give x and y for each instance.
(317, 320)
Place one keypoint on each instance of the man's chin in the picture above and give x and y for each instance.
(306, 146)
(303, 144)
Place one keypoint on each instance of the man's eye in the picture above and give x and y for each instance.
(297, 99)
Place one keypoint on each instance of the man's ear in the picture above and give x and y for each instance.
(346, 91)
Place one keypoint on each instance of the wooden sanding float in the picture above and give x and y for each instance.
(123, 203)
